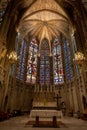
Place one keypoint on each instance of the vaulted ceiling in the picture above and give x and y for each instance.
(45, 19)
(42, 18)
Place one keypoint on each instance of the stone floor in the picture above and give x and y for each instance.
(18, 123)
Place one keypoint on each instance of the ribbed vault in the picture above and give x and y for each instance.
(44, 18)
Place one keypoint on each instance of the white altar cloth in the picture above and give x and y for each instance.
(46, 113)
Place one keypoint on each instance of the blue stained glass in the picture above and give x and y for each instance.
(21, 66)
(67, 57)
(45, 63)
(57, 62)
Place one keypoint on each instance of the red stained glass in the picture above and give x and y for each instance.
(32, 62)
(57, 62)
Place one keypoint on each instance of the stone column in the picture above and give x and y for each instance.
(83, 80)
(79, 95)
(2, 85)
(35, 88)
(82, 92)
(38, 88)
(51, 70)
(48, 89)
(6, 81)
(38, 72)
(70, 98)
(54, 88)
(51, 88)
(41, 88)
(75, 100)
(67, 98)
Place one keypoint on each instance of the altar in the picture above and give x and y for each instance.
(45, 106)
(46, 113)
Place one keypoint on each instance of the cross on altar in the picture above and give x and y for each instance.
(57, 98)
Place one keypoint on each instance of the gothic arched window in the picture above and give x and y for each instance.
(57, 62)
(21, 64)
(32, 62)
(45, 63)
(67, 59)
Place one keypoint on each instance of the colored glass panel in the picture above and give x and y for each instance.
(45, 63)
(67, 57)
(57, 62)
(21, 65)
(32, 62)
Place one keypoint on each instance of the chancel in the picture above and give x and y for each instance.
(43, 60)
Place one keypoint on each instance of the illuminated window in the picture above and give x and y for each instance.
(32, 62)
(21, 64)
(67, 59)
(57, 62)
(45, 63)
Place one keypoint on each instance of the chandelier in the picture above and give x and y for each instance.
(12, 57)
(79, 58)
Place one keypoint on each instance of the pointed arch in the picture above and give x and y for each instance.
(45, 62)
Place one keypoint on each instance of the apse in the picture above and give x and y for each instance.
(37, 60)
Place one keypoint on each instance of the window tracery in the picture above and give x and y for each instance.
(57, 62)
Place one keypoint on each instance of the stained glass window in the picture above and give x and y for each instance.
(45, 63)
(57, 62)
(21, 64)
(67, 59)
(32, 62)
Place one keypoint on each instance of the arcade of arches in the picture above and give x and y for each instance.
(38, 43)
